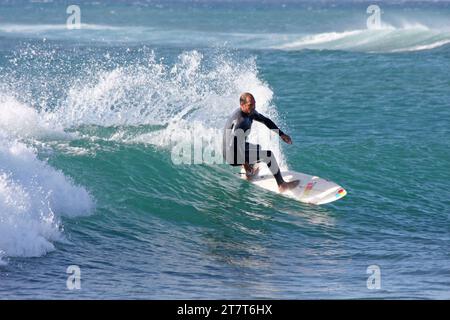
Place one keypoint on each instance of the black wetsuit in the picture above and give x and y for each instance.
(236, 149)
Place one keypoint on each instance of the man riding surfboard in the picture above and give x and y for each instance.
(237, 151)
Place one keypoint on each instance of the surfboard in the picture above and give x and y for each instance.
(311, 189)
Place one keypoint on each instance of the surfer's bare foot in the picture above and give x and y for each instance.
(288, 185)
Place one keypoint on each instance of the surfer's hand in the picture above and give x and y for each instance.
(286, 139)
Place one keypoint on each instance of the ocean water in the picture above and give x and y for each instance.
(89, 119)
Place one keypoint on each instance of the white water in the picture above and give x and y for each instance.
(33, 195)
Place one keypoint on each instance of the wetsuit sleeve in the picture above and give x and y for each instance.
(267, 122)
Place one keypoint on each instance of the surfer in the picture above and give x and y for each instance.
(237, 151)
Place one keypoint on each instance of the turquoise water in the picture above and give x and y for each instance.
(89, 118)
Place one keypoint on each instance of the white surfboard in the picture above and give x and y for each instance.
(311, 189)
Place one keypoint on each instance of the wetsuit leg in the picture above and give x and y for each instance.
(254, 154)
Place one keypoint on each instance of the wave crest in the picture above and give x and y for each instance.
(411, 37)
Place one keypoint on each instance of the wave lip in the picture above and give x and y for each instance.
(411, 37)
(430, 46)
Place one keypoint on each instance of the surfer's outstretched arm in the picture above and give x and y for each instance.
(272, 126)
(267, 122)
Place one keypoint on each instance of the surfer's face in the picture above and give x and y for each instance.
(249, 105)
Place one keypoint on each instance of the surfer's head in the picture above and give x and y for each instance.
(247, 102)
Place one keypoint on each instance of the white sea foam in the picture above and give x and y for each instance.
(33, 196)
(20, 120)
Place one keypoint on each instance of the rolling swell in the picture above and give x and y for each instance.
(409, 38)
(127, 113)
